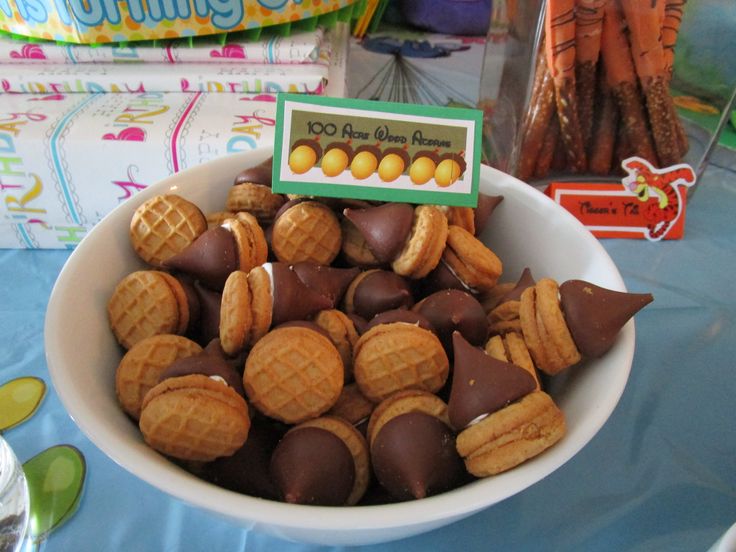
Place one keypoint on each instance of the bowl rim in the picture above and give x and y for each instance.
(175, 481)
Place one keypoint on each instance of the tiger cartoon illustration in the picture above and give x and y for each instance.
(659, 190)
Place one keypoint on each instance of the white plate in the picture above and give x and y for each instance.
(526, 229)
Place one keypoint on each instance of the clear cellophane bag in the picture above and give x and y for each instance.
(586, 84)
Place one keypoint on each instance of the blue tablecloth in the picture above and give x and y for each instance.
(660, 475)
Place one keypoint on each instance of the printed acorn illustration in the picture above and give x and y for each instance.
(337, 158)
(393, 163)
(365, 161)
(449, 169)
(423, 166)
(305, 154)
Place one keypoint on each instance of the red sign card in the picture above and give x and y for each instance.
(647, 204)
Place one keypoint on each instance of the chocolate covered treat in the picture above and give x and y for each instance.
(375, 291)
(483, 211)
(257, 174)
(210, 258)
(414, 456)
(595, 315)
(313, 466)
(385, 228)
(332, 282)
(454, 310)
(482, 384)
(247, 471)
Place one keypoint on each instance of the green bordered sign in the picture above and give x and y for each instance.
(383, 151)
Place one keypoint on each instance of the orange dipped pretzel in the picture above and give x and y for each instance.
(644, 21)
(559, 27)
(538, 116)
(588, 28)
(621, 77)
(604, 136)
(670, 29)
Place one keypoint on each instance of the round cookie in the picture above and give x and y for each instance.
(391, 357)
(194, 418)
(236, 316)
(469, 258)
(141, 367)
(426, 242)
(306, 231)
(143, 304)
(544, 329)
(293, 374)
(343, 335)
(164, 226)
(510, 347)
(256, 199)
(512, 435)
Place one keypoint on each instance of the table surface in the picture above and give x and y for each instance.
(660, 475)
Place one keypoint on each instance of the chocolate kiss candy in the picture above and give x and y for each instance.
(482, 384)
(209, 315)
(210, 258)
(484, 210)
(247, 471)
(526, 280)
(292, 299)
(326, 280)
(451, 310)
(385, 228)
(379, 291)
(442, 277)
(595, 315)
(414, 456)
(207, 365)
(260, 174)
(313, 466)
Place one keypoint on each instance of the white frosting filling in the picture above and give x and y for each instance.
(219, 379)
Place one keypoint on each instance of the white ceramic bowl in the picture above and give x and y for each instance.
(527, 229)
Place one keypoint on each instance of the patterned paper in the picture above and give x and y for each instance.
(157, 77)
(100, 21)
(297, 48)
(66, 160)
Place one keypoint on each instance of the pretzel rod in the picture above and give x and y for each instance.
(670, 29)
(621, 77)
(644, 20)
(559, 29)
(547, 151)
(604, 137)
(588, 27)
(540, 112)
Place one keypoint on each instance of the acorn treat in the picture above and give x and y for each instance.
(374, 291)
(237, 244)
(341, 352)
(414, 456)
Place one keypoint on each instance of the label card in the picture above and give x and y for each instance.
(361, 149)
(648, 203)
